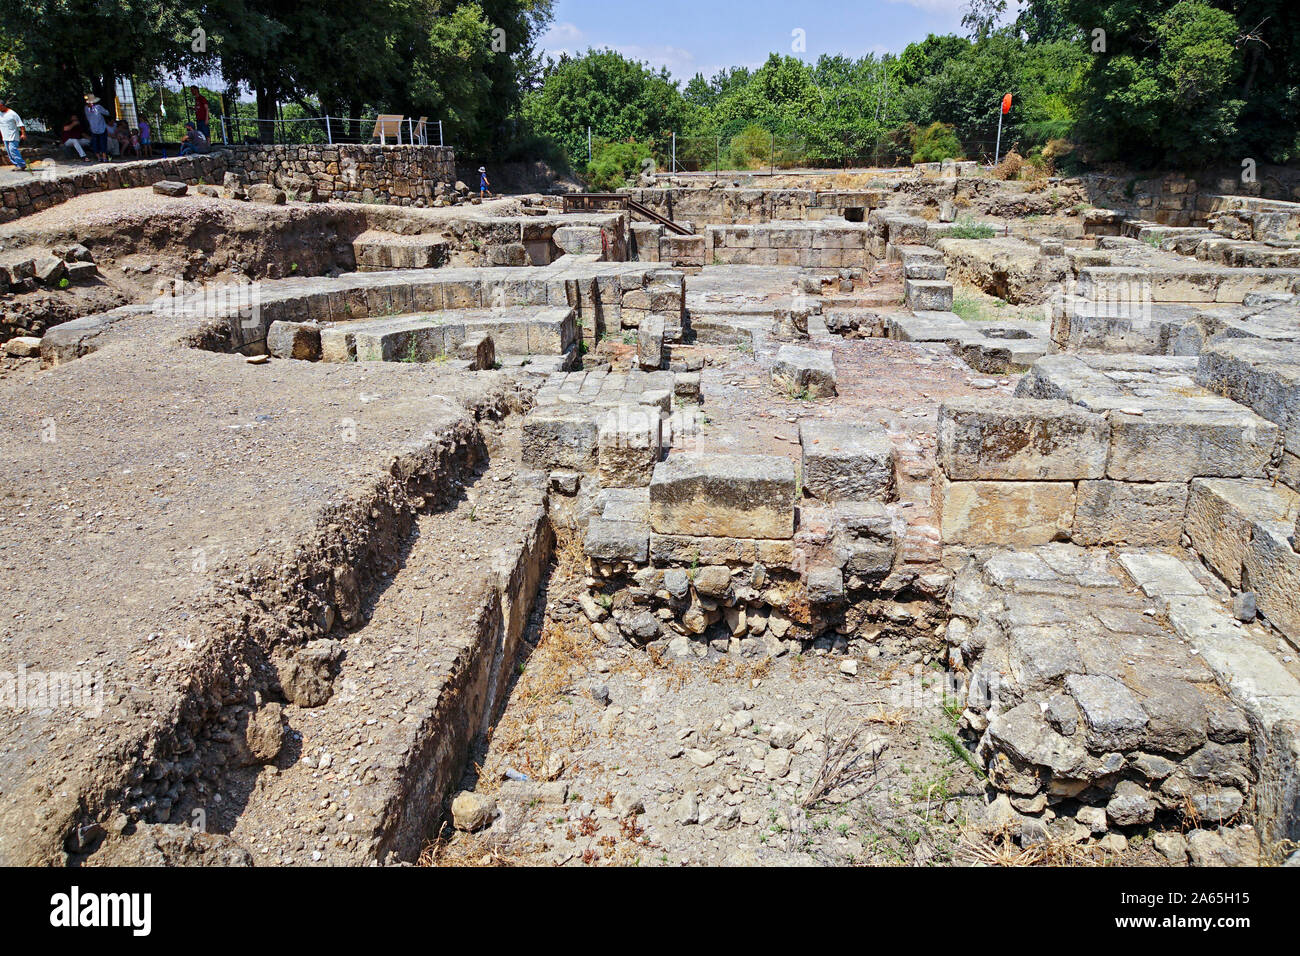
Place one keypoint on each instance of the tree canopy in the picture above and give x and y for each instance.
(1146, 82)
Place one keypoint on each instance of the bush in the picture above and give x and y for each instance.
(1010, 166)
(970, 229)
(750, 148)
(935, 143)
(612, 164)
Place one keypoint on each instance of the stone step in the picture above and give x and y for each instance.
(1081, 691)
(1243, 530)
(1164, 427)
(1191, 283)
(375, 251)
(1261, 374)
(1252, 677)
(428, 336)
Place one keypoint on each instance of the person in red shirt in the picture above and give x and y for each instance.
(200, 112)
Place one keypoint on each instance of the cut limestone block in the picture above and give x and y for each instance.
(845, 461)
(404, 340)
(607, 540)
(1272, 571)
(709, 549)
(802, 370)
(865, 538)
(739, 496)
(650, 342)
(928, 295)
(294, 340)
(629, 445)
(1131, 513)
(1261, 374)
(1015, 513)
(479, 350)
(1019, 439)
(560, 438)
(1168, 444)
(1221, 514)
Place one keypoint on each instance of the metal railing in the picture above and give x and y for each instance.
(304, 130)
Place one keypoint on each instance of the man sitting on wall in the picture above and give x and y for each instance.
(193, 141)
(75, 138)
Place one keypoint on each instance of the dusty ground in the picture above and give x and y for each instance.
(124, 506)
(635, 760)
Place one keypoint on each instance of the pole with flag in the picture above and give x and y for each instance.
(1006, 108)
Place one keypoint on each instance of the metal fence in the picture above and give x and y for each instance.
(239, 129)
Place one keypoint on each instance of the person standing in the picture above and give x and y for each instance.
(484, 187)
(13, 132)
(201, 112)
(97, 120)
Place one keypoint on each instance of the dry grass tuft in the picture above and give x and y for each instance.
(1001, 849)
(850, 760)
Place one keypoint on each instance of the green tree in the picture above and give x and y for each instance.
(619, 99)
(62, 49)
(1167, 88)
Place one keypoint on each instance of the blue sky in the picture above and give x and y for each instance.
(688, 36)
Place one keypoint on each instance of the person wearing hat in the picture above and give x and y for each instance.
(12, 131)
(483, 184)
(97, 121)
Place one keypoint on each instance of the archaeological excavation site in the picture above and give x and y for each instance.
(903, 517)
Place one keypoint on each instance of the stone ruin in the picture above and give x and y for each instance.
(1090, 530)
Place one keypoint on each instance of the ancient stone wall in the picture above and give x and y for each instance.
(398, 175)
(717, 206)
(42, 192)
(1179, 199)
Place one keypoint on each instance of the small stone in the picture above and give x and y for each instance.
(627, 804)
(701, 758)
(1172, 845)
(783, 736)
(1130, 805)
(169, 188)
(849, 667)
(687, 810)
(472, 811)
(777, 763)
(1094, 818)
(23, 346)
(1114, 843)
(1244, 606)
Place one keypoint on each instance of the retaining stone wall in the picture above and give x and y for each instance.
(396, 175)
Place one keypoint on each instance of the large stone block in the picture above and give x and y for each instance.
(650, 342)
(928, 295)
(629, 444)
(1221, 514)
(843, 461)
(559, 438)
(1166, 444)
(737, 496)
(608, 540)
(1020, 439)
(1016, 513)
(294, 340)
(866, 538)
(804, 371)
(1130, 513)
(1272, 571)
